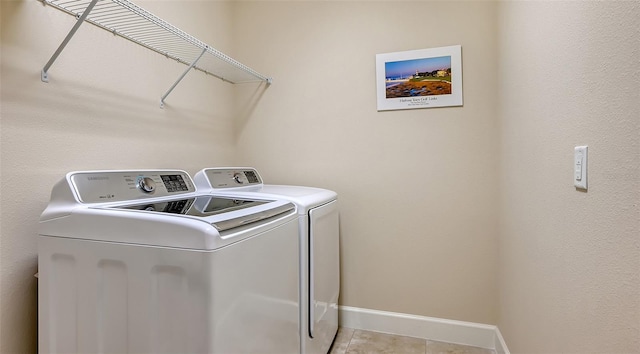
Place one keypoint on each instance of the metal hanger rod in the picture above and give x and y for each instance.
(44, 75)
(181, 77)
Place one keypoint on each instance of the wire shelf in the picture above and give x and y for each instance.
(129, 21)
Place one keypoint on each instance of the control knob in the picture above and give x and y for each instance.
(236, 177)
(146, 184)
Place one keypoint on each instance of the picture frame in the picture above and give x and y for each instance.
(423, 78)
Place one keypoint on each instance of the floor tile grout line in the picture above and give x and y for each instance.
(346, 350)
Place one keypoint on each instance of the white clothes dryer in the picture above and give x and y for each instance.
(319, 246)
(139, 262)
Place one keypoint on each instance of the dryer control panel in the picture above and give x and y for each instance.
(229, 177)
(115, 186)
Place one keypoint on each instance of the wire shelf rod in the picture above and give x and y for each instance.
(73, 4)
(111, 9)
(124, 19)
(68, 2)
(105, 7)
(133, 30)
(120, 24)
(119, 17)
(146, 30)
(143, 36)
(165, 42)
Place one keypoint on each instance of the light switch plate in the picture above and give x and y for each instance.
(580, 167)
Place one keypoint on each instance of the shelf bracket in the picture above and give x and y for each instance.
(44, 75)
(204, 50)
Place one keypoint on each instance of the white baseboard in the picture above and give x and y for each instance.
(501, 345)
(438, 329)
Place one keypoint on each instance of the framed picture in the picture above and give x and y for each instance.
(422, 78)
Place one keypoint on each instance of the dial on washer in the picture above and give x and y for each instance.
(237, 177)
(146, 184)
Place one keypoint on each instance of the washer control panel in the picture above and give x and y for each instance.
(113, 186)
(232, 177)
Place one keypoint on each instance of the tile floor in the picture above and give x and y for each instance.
(350, 341)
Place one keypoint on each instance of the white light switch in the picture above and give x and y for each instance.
(580, 167)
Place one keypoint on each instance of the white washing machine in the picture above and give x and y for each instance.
(139, 262)
(319, 246)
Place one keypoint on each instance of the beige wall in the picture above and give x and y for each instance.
(100, 110)
(570, 260)
(417, 188)
(464, 213)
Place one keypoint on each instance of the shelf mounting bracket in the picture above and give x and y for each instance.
(204, 50)
(44, 74)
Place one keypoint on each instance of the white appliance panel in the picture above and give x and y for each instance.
(324, 271)
(99, 297)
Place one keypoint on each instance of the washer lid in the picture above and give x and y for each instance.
(207, 206)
